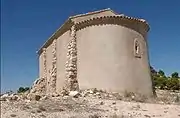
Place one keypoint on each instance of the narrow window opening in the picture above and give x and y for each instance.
(137, 49)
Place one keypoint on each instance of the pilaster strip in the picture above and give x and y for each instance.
(53, 71)
(44, 63)
(71, 64)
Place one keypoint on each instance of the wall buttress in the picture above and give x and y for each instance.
(71, 63)
(53, 70)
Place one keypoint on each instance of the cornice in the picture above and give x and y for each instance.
(126, 21)
(65, 27)
(139, 25)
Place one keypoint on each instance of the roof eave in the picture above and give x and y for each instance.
(54, 35)
(90, 13)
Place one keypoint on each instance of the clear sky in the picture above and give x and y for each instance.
(27, 24)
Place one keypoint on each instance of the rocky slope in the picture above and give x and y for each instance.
(91, 104)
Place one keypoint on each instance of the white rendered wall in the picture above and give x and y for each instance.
(41, 66)
(49, 64)
(106, 60)
(62, 43)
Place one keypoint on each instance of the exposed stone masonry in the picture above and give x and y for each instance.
(44, 64)
(39, 86)
(53, 71)
(71, 64)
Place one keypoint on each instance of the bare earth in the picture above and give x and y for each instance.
(90, 107)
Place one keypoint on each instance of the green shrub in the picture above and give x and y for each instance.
(173, 84)
(175, 75)
(161, 73)
(22, 89)
(162, 82)
(166, 83)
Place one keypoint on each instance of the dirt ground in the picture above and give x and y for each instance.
(91, 106)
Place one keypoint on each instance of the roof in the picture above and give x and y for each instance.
(94, 12)
(75, 19)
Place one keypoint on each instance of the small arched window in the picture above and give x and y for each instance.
(137, 48)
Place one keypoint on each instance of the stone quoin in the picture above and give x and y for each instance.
(100, 49)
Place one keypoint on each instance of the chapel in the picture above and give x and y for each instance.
(100, 49)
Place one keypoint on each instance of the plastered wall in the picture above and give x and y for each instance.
(62, 43)
(41, 68)
(49, 64)
(106, 60)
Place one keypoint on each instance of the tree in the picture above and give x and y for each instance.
(162, 82)
(26, 88)
(161, 73)
(22, 89)
(175, 75)
(173, 84)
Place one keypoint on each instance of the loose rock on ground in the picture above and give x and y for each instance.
(91, 103)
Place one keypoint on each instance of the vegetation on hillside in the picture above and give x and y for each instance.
(23, 89)
(161, 81)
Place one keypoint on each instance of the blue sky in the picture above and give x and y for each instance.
(27, 24)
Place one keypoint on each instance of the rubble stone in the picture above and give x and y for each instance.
(34, 97)
(74, 93)
(14, 97)
(101, 102)
(71, 63)
(4, 97)
(44, 98)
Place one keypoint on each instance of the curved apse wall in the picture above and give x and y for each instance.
(106, 59)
